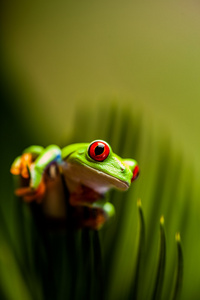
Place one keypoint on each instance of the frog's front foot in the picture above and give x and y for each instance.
(21, 165)
(95, 217)
(29, 194)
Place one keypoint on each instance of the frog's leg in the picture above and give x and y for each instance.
(95, 207)
(30, 194)
(34, 150)
(102, 211)
(22, 163)
(35, 170)
(49, 155)
(95, 217)
(106, 206)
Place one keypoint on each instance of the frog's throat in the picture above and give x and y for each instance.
(93, 178)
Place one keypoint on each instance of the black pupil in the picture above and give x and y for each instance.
(99, 149)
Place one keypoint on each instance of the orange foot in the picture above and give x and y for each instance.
(22, 165)
(29, 194)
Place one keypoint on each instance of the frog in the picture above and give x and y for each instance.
(88, 171)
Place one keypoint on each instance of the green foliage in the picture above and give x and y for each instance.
(123, 260)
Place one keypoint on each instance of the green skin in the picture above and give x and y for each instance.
(80, 170)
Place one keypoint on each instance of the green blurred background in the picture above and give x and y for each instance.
(61, 58)
(144, 53)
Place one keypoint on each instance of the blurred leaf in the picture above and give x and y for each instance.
(179, 270)
(157, 292)
(64, 265)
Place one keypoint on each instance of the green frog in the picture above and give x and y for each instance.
(89, 171)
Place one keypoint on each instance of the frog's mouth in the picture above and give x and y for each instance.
(95, 179)
(104, 181)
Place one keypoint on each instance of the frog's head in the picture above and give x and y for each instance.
(95, 165)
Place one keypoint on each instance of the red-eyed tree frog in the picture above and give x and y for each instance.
(89, 170)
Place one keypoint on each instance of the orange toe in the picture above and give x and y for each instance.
(30, 194)
(26, 161)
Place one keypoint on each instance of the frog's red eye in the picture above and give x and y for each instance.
(98, 150)
(136, 172)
